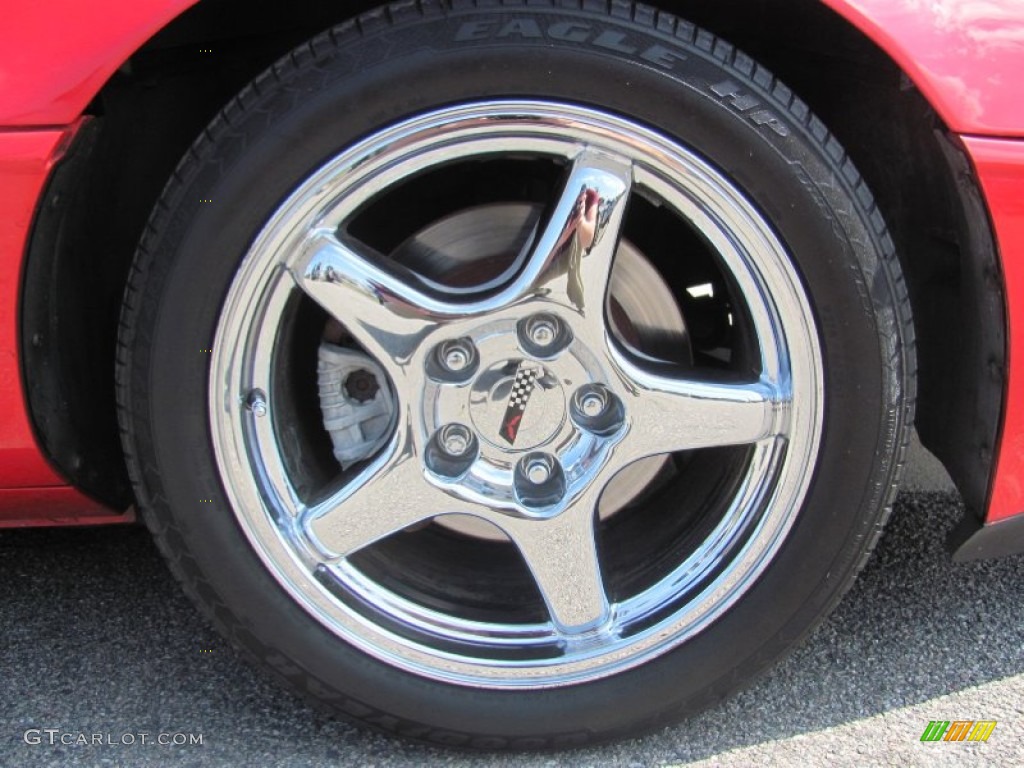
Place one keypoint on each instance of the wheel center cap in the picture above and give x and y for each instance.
(517, 405)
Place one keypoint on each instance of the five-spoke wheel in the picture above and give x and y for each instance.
(515, 401)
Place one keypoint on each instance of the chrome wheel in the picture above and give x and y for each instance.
(517, 398)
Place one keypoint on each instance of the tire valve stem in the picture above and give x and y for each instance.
(256, 403)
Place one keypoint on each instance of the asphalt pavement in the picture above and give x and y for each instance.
(95, 638)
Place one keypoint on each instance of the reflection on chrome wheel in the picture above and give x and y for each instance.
(557, 407)
(550, 396)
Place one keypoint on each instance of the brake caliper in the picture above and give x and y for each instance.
(355, 402)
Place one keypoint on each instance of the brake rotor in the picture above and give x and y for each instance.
(479, 246)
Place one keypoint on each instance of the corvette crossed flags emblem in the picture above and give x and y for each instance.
(523, 386)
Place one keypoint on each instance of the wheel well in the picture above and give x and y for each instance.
(97, 202)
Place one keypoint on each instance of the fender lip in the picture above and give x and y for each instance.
(971, 540)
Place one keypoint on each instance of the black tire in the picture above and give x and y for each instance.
(404, 60)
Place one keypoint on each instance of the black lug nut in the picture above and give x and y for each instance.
(361, 385)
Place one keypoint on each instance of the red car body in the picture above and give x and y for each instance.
(965, 58)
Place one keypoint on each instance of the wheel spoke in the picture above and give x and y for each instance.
(561, 553)
(577, 246)
(674, 414)
(386, 310)
(391, 495)
(390, 310)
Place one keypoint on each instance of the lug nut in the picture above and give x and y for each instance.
(539, 480)
(596, 409)
(361, 385)
(543, 335)
(592, 404)
(542, 332)
(256, 402)
(454, 361)
(456, 439)
(538, 472)
(452, 450)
